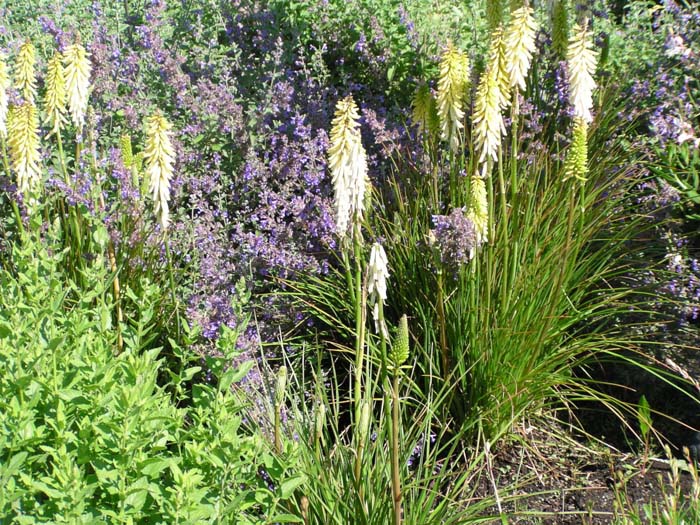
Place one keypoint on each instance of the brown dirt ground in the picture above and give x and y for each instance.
(562, 482)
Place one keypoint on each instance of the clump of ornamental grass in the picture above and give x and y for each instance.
(399, 482)
(513, 321)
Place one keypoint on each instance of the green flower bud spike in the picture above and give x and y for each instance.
(576, 165)
(127, 153)
(398, 354)
(281, 385)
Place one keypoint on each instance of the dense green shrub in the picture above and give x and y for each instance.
(87, 436)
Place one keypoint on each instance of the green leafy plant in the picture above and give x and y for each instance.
(90, 437)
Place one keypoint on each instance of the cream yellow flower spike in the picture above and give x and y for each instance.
(451, 94)
(582, 61)
(23, 142)
(56, 95)
(77, 75)
(520, 46)
(347, 161)
(491, 98)
(159, 157)
(25, 76)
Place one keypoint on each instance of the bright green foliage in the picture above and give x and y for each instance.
(90, 437)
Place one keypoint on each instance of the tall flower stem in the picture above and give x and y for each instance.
(490, 262)
(444, 351)
(360, 423)
(514, 152)
(505, 283)
(399, 354)
(395, 475)
(348, 276)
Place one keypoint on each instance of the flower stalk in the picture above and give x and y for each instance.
(397, 357)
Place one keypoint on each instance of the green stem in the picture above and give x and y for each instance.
(490, 263)
(395, 477)
(278, 429)
(348, 276)
(504, 238)
(444, 352)
(382, 342)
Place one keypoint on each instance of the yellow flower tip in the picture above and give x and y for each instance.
(23, 145)
(77, 80)
(520, 46)
(25, 75)
(56, 95)
(582, 60)
(453, 85)
(159, 157)
(347, 162)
